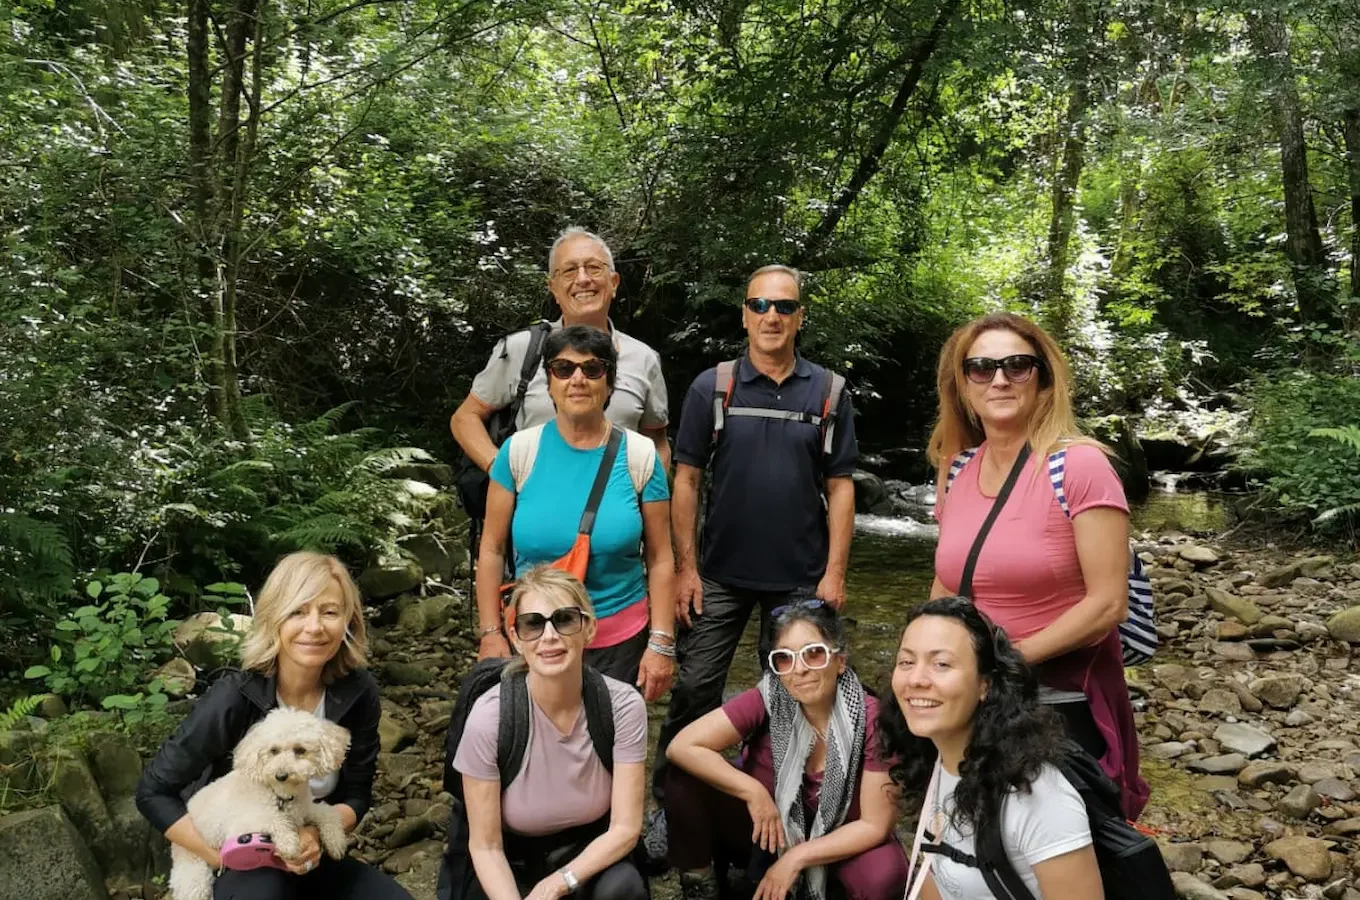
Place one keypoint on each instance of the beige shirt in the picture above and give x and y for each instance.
(639, 400)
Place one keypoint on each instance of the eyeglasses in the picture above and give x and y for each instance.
(761, 305)
(814, 656)
(813, 603)
(594, 369)
(565, 621)
(568, 273)
(1017, 368)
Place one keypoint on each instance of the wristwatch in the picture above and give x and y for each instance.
(570, 879)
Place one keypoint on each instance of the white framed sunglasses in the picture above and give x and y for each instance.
(814, 656)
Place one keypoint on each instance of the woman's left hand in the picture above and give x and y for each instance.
(551, 888)
(309, 852)
(655, 674)
(780, 878)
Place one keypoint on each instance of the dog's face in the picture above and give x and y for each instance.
(288, 748)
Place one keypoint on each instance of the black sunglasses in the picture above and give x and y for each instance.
(565, 621)
(1017, 368)
(565, 368)
(761, 305)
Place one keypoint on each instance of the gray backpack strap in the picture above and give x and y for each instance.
(831, 403)
(723, 380)
(512, 734)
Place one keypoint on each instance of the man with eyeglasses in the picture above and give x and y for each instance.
(777, 436)
(582, 280)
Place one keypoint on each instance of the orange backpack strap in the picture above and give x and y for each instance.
(723, 382)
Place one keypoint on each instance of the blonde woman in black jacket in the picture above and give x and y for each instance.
(306, 650)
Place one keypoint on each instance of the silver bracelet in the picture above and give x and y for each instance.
(658, 633)
(488, 630)
(661, 649)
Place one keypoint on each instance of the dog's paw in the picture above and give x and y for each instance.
(334, 841)
(287, 845)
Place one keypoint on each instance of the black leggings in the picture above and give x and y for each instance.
(534, 858)
(1081, 726)
(344, 879)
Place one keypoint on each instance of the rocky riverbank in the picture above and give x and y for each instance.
(1249, 718)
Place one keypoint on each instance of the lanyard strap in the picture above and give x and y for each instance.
(966, 582)
(916, 878)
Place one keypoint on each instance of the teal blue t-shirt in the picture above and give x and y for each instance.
(548, 512)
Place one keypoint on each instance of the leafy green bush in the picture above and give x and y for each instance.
(103, 650)
(1304, 476)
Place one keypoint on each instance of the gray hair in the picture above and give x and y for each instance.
(577, 231)
(776, 269)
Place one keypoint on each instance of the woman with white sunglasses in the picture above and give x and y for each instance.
(809, 798)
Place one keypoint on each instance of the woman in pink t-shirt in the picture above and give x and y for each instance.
(1056, 582)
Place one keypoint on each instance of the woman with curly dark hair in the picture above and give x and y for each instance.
(974, 746)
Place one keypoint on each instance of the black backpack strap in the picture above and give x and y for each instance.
(512, 734)
(599, 716)
(966, 582)
(995, 865)
(611, 452)
(533, 355)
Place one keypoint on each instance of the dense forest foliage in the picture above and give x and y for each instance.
(253, 248)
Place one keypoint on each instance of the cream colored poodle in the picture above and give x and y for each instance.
(268, 791)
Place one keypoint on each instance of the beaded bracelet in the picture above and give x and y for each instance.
(488, 630)
(661, 649)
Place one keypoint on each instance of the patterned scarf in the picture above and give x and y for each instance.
(792, 739)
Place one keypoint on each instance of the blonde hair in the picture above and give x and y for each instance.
(958, 426)
(557, 587)
(297, 579)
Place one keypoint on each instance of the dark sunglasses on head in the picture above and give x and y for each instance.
(813, 603)
(814, 656)
(761, 305)
(565, 368)
(1017, 368)
(565, 621)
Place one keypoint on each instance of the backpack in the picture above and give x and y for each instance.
(456, 876)
(1131, 864)
(472, 483)
(641, 452)
(725, 381)
(1137, 633)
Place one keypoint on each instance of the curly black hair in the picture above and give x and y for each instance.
(817, 613)
(1013, 734)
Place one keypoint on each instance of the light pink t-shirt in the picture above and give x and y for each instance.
(1028, 573)
(563, 783)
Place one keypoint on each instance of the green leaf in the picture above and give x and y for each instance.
(37, 672)
(122, 701)
(147, 587)
(55, 653)
(227, 587)
(67, 625)
(94, 589)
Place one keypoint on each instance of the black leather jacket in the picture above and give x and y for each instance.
(200, 749)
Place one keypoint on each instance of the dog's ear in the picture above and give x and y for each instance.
(252, 751)
(333, 745)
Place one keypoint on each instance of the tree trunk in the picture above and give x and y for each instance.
(201, 176)
(1352, 137)
(1269, 35)
(873, 158)
(1059, 304)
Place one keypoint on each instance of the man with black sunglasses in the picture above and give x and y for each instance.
(776, 434)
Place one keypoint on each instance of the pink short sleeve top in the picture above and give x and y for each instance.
(1028, 573)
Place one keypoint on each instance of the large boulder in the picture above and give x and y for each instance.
(116, 763)
(1345, 625)
(1240, 608)
(871, 495)
(45, 858)
(390, 577)
(431, 553)
(75, 787)
(418, 615)
(210, 642)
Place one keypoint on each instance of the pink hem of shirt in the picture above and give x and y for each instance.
(622, 625)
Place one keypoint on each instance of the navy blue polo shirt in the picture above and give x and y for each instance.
(766, 525)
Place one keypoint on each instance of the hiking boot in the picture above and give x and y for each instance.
(698, 885)
(655, 844)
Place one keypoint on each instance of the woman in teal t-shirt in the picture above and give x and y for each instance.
(630, 576)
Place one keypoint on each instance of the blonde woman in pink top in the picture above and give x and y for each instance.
(1056, 582)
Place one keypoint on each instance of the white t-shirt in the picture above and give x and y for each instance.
(1048, 821)
(321, 787)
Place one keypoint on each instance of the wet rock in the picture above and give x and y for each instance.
(1185, 857)
(1280, 691)
(1201, 557)
(1227, 764)
(1228, 852)
(1240, 608)
(1299, 802)
(1306, 857)
(1345, 625)
(1247, 875)
(1241, 738)
(1279, 576)
(1334, 789)
(1188, 887)
(1264, 772)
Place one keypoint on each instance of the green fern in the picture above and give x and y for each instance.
(35, 558)
(18, 711)
(392, 457)
(1346, 435)
(327, 532)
